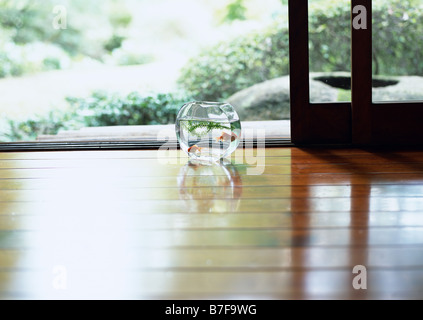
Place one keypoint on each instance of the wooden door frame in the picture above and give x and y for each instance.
(378, 123)
(361, 122)
(311, 123)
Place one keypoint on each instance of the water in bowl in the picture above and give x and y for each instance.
(205, 139)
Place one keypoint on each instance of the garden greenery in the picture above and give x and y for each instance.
(28, 23)
(100, 109)
(228, 67)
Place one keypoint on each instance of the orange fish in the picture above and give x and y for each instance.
(226, 137)
(194, 149)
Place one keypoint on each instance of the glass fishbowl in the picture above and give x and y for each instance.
(208, 131)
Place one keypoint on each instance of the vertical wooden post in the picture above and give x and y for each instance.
(299, 68)
(311, 123)
(361, 71)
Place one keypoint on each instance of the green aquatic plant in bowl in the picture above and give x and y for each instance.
(208, 130)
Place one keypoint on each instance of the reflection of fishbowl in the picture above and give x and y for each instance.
(210, 188)
(208, 130)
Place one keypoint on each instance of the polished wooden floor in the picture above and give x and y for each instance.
(274, 223)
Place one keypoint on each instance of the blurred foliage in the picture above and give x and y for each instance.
(398, 37)
(397, 32)
(119, 19)
(16, 60)
(123, 58)
(8, 67)
(221, 70)
(231, 66)
(30, 129)
(114, 42)
(330, 35)
(100, 109)
(27, 22)
(235, 10)
(119, 16)
(105, 109)
(29, 43)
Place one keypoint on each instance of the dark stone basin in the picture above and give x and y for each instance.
(344, 82)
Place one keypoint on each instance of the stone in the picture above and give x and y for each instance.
(269, 100)
(408, 88)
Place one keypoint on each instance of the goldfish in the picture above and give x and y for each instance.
(194, 149)
(226, 137)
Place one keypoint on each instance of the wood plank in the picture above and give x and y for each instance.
(124, 183)
(163, 171)
(231, 221)
(333, 284)
(300, 258)
(197, 191)
(113, 172)
(351, 163)
(165, 152)
(262, 152)
(221, 238)
(90, 203)
(293, 231)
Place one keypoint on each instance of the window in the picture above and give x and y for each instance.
(113, 73)
(262, 55)
(363, 121)
(382, 123)
(323, 122)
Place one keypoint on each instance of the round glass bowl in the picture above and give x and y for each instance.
(208, 131)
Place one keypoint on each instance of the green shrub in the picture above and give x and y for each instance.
(26, 22)
(235, 11)
(104, 109)
(16, 60)
(114, 42)
(397, 37)
(29, 21)
(330, 36)
(125, 57)
(50, 63)
(228, 67)
(231, 66)
(9, 67)
(51, 123)
(397, 28)
(101, 109)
